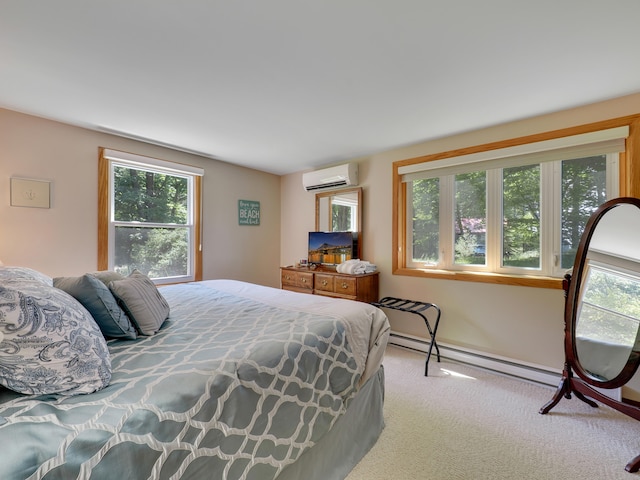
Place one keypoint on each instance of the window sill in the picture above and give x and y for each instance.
(484, 277)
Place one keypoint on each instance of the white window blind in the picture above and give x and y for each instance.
(134, 160)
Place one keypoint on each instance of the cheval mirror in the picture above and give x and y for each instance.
(602, 311)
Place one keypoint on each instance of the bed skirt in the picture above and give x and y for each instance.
(351, 437)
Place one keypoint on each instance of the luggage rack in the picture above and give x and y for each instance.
(417, 308)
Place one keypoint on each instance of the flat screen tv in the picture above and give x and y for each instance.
(332, 248)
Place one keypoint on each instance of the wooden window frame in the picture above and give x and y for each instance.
(103, 217)
(629, 186)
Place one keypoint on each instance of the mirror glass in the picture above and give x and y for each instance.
(608, 314)
(339, 211)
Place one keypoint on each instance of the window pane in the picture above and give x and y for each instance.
(521, 216)
(584, 183)
(470, 218)
(426, 220)
(611, 307)
(156, 252)
(342, 218)
(148, 197)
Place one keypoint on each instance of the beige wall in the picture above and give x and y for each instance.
(521, 323)
(62, 240)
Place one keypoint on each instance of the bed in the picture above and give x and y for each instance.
(239, 382)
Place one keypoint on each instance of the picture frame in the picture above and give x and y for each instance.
(248, 212)
(27, 192)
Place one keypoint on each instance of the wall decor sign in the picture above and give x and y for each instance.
(248, 212)
(26, 192)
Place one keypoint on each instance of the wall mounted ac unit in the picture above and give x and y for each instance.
(340, 176)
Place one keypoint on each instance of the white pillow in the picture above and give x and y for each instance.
(13, 274)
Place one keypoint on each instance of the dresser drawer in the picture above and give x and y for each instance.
(363, 288)
(304, 280)
(291, 279)
(345, 286)
(288, 278)
(324, 283)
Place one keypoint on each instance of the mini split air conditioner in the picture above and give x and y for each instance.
(340, 176)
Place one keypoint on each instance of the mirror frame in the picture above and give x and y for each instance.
(573, 302)
(333, 193)
(584, 386)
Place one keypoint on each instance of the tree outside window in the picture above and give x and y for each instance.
(511, 236)
(151, 222)
(152, 219)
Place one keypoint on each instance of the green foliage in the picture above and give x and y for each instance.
(466, 245)
(426, 220)
(584, 182)
(521, 212)
(157, 252)
(149, 197)
(156, 199)
(583, 185)
(611, 307)
(471, 195)
(466, 249)
(341, 218)
(470, 217)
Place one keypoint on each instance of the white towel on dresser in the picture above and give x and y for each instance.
(356, 267)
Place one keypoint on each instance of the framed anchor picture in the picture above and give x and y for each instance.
(27, 192)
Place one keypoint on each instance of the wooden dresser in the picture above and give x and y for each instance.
(322, 281)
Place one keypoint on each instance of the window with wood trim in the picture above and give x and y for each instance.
(149, 217)
(510, 212)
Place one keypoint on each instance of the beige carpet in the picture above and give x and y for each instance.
(467, 423)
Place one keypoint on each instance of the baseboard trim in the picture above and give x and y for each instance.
(495, 363)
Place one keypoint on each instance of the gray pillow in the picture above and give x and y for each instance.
(107, 276)
(96, 297)
(144, 304)
(51, 344)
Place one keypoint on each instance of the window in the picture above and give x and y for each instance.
(610, 309)
(151, 217)
(504, 213)
(344, 212)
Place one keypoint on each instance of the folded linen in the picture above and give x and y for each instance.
(356, 267)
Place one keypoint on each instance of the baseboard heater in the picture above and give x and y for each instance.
(489, 362)
(506, 366)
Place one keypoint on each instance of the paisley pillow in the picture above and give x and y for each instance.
(51, 343)
(14, 274)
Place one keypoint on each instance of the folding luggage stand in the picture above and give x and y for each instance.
(412, 306)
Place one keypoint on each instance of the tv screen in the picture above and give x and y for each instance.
(332, 248)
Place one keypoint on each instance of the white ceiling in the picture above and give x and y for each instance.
(290, 85)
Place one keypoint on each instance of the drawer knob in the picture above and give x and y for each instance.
(324, 283)
(344, 285)
(288, 277)
(304, 280)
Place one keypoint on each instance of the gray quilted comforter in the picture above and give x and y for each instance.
(239, 382)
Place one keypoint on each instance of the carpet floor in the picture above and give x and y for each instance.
(466, 423)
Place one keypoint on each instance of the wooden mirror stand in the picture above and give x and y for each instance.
(602, 334)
